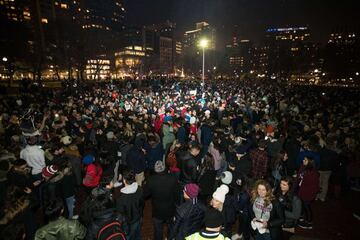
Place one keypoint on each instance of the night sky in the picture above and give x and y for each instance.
(251, 16)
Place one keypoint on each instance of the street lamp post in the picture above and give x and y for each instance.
(203, 44)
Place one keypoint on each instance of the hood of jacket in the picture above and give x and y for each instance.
(130, 189)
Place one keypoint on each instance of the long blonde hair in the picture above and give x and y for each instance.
(269, 195)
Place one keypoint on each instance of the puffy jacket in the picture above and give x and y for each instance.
(188, 219)
(188, 166)
(100, 218)
(135, 159)
(206, 135)
(92, 175)
(164, 191)
(130, 203)
(61, 229)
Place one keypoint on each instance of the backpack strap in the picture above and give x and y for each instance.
(107, 226)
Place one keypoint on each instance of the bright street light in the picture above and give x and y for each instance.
(357, 73)
(4, 59)
(203, 44)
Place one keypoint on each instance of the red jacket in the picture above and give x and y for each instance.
(92, 175)
(308, 181)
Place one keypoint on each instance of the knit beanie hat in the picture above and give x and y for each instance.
(66, 140)
(110, 135)
(88, 159)
(213, 218)
(49, 171)
(159, 166)
(220, 193)
(226, 177)
(192, 190)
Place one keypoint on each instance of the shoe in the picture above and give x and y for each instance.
(305, 225)
(301, 220)
(75, 217)
(357, 216)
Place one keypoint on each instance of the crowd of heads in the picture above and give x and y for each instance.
(86, 127)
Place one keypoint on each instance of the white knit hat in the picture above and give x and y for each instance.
(192, 120)
(220, 193)
(66, 140)
(226, 177)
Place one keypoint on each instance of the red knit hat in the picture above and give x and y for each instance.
(49, 171)
(192, 190)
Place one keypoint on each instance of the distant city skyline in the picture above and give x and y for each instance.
(251, 18)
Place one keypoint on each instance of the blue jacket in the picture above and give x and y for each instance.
(206, 135)
(135, 159)
(181, 135)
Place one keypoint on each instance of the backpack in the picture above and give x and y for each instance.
(111, 231)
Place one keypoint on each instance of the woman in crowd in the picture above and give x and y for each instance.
(308, 188)
(266, 213)
(207, 176)
(290, 203)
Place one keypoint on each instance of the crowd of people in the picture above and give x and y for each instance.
(225, 160)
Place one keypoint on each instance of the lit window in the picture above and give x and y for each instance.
(44, 20)
(64, 6)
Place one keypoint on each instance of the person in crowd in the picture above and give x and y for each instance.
(135, 159)
(154, 151)
(164, 191)
(328, 161)
(260, 161)
(130, 204)
(308, 188)
(206, 179)
(17, 211)
(278, 168)
(213, 223)
(34, 157)
(188, 162)
(93, 173)
(189, 215)
(266, 213)
(59, 228)
(290, 203)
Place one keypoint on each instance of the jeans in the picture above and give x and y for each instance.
(158, 228)
(134, 231)
(70, 204)
(264, 236)
(324, 184)
(307, 211)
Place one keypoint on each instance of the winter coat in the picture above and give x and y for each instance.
(308, 183)
(164, 191)
(154, 154)
(61, 229)
(130, 203)
(292, 148)
(135, 160)
(276, 220)
(181, 135)
(207, 182)
(168, 136)
(100, 218)
(206, 135)
(92, 175)
(188, 166)
(188, 219)
(292, 208)
(328, 159)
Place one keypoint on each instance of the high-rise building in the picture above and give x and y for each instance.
(192, 54)
(202, 30)
(342, 55)
(287, 49)
(239, 55)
